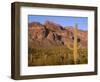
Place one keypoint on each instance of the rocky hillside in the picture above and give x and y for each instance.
(52, 34)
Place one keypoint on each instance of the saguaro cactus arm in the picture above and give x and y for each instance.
(69, 46)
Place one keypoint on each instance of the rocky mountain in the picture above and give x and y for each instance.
(52, 34)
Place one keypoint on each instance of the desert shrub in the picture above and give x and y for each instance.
(54, 55)
(83, 56)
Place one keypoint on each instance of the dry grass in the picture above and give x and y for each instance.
(55, 55)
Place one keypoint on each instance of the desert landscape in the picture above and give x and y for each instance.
(52, 44)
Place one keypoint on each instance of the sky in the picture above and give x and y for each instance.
(62, 20)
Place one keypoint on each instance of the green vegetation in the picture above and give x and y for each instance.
(55, 55)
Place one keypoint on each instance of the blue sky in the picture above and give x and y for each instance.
(62, 20)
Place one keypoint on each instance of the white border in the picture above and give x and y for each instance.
(25, 70)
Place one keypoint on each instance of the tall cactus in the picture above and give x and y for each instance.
(75, 45)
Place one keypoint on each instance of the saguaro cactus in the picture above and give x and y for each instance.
(75, 44)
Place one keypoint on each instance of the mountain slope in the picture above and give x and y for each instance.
(52, 34)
